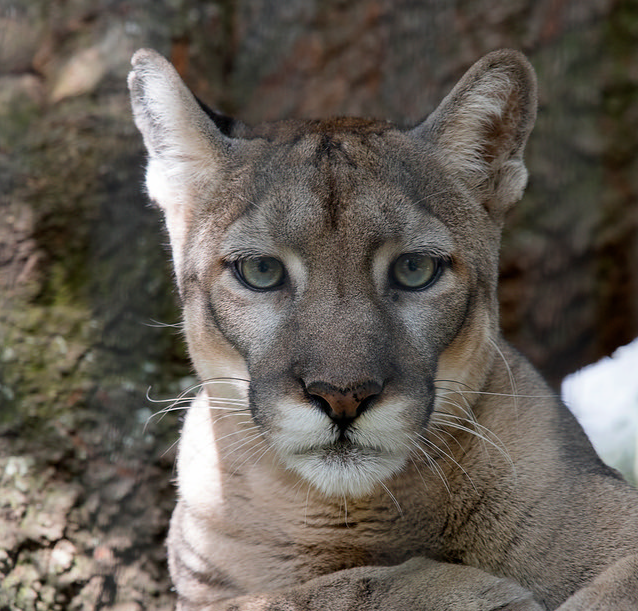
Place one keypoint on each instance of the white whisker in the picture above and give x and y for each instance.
(434, 467)
(345, 510)
(305, 515)
(164, 325)
(250, 450)
(242, 432)
(239, 444)
(167, 450)
(447, 457)
(498, 444)
(416, 466)
(252, 456)
(394, 499)
(234, 414)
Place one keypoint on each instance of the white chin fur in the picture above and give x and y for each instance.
(354, 473)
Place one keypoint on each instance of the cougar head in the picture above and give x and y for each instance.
(342, 266)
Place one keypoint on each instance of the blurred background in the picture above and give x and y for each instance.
(87, 305)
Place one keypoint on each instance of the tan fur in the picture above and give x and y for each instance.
(463, 483)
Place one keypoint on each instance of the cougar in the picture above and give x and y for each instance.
(363, 437)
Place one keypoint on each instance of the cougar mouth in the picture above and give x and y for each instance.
(343, 449)
(349, 462)
(345, 468)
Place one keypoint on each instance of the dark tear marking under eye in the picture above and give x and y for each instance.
(217, 322)
(466, 318)
(431, 390)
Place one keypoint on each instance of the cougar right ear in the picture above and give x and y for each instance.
(187, 152)
(480, 129)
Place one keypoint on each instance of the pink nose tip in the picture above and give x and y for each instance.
(342, 404)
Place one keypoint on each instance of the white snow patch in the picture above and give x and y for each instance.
(604, 398)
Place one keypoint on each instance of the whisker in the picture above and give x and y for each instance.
(193, 387)
(509, 373)
(451, 391)
(186, 399)
(472, 391)
(434, 467)
(232, 414)
(163, 325)
(498, 444)
(297, 487)
(228, 380)
(468, 415)
(394, 499)
(250, 450)
(305, 515)
(251, 456)
(447, 457)
(240, 443)
(172, 400)
(218, 403)
(416, 466)
(167, 450)
(243, 431)
(474, 428)
(183, 405)
(345, 511)
(435, 434)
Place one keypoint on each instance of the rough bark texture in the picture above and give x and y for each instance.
(85, 489)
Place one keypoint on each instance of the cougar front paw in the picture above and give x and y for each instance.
(615, 589)
(425, 585)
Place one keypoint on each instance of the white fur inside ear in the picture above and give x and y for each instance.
(166, 112)
(166, 193)
(470, 139)
(513, 180)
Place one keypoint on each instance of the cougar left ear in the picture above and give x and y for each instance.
(480, 129)
(187, 151)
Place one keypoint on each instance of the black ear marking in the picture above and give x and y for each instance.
(225, 124)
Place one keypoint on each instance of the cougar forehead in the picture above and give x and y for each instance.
(332, 191)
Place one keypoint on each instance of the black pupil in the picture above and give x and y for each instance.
(413, 264)
(264, 266)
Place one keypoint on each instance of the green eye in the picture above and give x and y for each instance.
(261, 273)
(413, 271)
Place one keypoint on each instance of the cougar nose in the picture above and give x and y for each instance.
(342, 404)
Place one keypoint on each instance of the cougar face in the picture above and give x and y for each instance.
(341, 266)
(338, 287)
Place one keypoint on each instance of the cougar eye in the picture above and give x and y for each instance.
(260, 273)
(414, 271)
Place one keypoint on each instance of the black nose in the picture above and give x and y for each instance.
(344, 404)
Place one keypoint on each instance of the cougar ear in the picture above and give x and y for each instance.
(186, 150)
(479, 130)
